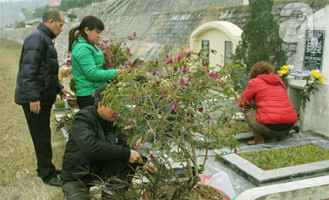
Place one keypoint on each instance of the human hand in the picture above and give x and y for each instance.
(150, 167)
(35, 107)
(139, 144)
(63, 93)
(135, 157)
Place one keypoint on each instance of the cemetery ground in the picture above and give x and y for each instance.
(17, 157)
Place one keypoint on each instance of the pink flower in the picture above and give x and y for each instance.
(203, 73)
(230, 125)
(228, 78)
(226, 119)
(199, 54)
(214, 76)
(188, 121)
(167, 56)
(128, 71)
(156, 62)
(115, 113)
(111, 40)
(184, 70)
(170, 95)
(173, 106)
(110, 101)
(153, 85)
(138, 111)
(177, 101)
(164, 92)
(205, 64)
(152, 157)
(208, 117)
(137, 168)
(134, 97)
(68, 56)
(69, 62)
(184, 168)
(170, 61)
(193, 84)
(154, 73)
(175, 84)
(235, 151)
(159, 106)
(202, 86)
(200, 109)
(158, 83)
(187, 102)
(210, 75)
(234, 72)
(182, 82)
(223, 84)
(192, 115)
(188, 114)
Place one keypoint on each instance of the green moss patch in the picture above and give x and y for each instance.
(286, 157)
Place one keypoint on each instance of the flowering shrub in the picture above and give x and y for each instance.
(284, 71)
(116, 54)
(309, 88)
(173, 99)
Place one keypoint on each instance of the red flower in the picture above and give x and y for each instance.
(200, 109)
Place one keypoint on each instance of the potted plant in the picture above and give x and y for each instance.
(60, 104)
(170, 106)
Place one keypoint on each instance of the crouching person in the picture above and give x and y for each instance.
(97, 146)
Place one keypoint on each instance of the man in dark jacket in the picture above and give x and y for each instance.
(37, 88)
(97, 146)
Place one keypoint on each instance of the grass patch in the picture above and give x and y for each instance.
(286, 157)
(60, 103)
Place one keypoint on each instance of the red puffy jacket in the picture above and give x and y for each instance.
(271, 98)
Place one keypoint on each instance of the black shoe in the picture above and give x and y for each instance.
(58, 171)
(53, 182)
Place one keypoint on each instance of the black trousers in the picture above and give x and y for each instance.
(39, 126)
(84, 101)
(79, 189)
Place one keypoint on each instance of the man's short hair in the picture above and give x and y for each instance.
(98, 95)
(52, 13)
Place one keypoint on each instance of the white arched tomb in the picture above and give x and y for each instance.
(221, 36)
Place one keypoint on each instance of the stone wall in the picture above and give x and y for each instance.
(160, 22)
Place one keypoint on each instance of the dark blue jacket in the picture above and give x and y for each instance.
(37, 77)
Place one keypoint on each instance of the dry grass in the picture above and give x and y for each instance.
(17, 157)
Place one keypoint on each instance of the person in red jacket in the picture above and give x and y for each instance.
(268, 110)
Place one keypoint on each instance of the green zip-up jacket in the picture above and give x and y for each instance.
(87, 68)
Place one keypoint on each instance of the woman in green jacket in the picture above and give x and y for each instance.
(87, 60)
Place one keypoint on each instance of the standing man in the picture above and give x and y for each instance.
(37, 88)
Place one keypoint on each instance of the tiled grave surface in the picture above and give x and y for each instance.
(238, 167)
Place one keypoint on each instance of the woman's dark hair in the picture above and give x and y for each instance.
(261, 68)
(91, 22)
